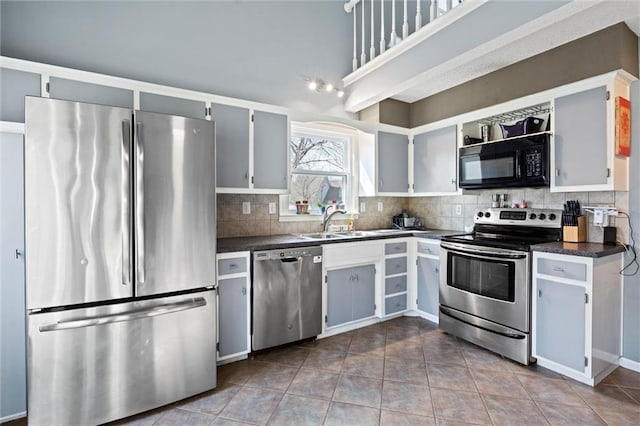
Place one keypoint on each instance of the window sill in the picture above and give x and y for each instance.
(292, 217)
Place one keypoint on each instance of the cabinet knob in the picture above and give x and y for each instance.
(18, 254)
(453, 181)
(557, 172)
(244, 291)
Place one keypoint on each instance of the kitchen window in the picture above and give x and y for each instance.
(321, 169)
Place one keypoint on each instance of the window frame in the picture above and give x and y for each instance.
(350, 174)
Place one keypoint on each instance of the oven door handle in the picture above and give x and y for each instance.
(447, 312)
(484, 253)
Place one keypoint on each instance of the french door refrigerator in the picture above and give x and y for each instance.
(120, 271)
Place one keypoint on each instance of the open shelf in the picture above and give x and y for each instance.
(531, 111)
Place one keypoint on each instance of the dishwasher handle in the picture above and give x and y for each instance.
(290, 259)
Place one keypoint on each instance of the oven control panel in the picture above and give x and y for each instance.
(547, 218)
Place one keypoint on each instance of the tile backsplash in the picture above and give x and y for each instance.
(434, 212)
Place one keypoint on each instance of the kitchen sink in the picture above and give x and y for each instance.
(350, 234)
(320, 236)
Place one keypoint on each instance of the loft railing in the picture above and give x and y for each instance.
(376, 10)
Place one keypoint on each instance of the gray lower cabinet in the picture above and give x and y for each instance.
(234, 300)
(580, 138)
(79, 91)
(234, 289)
(434, 161)
(13, 341)
(14, 86)
(428, 285)
(173, 106)
(393, 162)
(350, 294)
(232, 145)
(270, 143)
(560, 323)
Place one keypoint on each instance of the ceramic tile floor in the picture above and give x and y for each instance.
(401, 372)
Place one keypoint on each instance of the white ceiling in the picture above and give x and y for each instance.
(477, 38)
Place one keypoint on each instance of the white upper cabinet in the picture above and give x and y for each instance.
(583, 150)
(393, 163)
(434, 161)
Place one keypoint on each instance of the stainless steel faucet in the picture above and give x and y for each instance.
(327, 217)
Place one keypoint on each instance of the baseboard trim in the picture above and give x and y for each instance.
(13, 417)
(630, 364)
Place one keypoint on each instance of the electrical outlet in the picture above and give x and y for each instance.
(272, 208)
(458, 209)
(380, 206)
(246, 207)
(363, 207)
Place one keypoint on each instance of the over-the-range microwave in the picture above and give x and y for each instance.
(519, 162)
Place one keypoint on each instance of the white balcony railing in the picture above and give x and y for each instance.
(373, 12)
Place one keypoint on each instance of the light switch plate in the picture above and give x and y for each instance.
(380, 206)
(272, 208)
(246, 207)
(363, 207)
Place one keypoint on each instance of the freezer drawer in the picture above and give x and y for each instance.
(94, 365)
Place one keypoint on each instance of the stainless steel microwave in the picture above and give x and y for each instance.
(506, 164)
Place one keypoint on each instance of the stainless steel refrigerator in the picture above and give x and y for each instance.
(120, 271)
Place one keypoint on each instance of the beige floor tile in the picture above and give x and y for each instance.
(237, 372)
(339, 343)
(178, 416)
(623, 377)
(568, 415)
(633, 393)
(481, 359)
(341, 414)
(498, 383)
(358, 390)
(620, 417)
(458, 405)
(314, 383)
(292, 355)
(605, 397)
(505, 411)
(374, 346)
(405, 349)
(211, 402)
(298, 410)
(446, 355)
(450, 377)
(407, 397)
(395, 418)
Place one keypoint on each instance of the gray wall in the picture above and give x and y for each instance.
(254, 50)
(631, 297)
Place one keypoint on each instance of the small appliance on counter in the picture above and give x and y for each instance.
(403, 221)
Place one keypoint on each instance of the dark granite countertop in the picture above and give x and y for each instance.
(272, 242)
(578, 249)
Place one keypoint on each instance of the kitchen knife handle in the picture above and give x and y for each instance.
(139, 197)
(126, 202)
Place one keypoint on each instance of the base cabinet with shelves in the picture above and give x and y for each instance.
(234, 285)
(577, 314)
(395, 277)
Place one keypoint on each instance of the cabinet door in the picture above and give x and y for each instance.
(581, 138)
(339, 285)
(232, 146)
(434, 161)
(393, 162)
(428, 285)
(363, 294)
(13, 340)
(14, 86)
(270, 142)
(172, 106)
(71, 90)
(232, 316)
(560, 323)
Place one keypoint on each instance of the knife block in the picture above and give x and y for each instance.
(576, 234)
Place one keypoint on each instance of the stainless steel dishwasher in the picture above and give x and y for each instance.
(287, 295)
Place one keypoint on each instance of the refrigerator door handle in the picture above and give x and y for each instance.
(126, 203)
(139, 197)
(135, 314)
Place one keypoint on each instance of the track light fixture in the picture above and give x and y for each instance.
(319, 85)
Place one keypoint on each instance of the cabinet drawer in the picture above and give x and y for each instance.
(395, 248)
(396, 265)
(235, 265)
(395, 304)
(562, 269)
(395, 284)
(429, 248)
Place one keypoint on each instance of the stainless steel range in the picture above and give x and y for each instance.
(485, 286)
